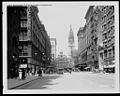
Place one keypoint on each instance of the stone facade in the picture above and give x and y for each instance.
(32, 40)
(108, 31)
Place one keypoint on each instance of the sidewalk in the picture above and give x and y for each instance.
(12, 83)
(106, 75)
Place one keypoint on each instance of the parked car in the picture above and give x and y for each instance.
(96, 71)
(59, 72)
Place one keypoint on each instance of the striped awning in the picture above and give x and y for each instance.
(109, 66)
(87, 67)
(83, 64)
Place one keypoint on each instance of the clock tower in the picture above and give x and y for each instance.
(71, 42)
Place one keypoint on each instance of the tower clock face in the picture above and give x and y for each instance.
(71, 41)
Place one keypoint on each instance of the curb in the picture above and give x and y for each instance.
(23, 83)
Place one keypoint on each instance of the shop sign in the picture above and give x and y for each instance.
(23, 65)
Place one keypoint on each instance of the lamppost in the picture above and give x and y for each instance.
(36, 53)
(43, 58)
(15, 66)
(36, 62)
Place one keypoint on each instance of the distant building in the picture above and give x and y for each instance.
(61, 61)
(53, 53)
(71, 42)
(75, 57)
(71, 46)
(53, 47)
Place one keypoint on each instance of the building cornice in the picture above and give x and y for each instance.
(88, 11)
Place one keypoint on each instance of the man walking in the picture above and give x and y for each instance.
(20, 74)
(40, 72)
(23, 74)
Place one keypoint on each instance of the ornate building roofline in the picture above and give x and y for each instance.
(88, 11)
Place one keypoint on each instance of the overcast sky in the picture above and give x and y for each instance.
(57, 20)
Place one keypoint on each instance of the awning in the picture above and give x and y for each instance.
(86, 67)
(110, 66)
(83, 65)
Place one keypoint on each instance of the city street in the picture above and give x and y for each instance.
(52, 47)
(75, 82)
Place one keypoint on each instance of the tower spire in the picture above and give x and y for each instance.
(71, 41)
(70, 26)
(71, 36)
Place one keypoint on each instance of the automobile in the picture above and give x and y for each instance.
(96, 71)
(65, 71)
(59, 72)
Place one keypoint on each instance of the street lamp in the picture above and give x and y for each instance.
(36, 53)
(13, 56)
(43, 53)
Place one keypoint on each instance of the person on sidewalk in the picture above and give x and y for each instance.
(32, 71)
(40, 73)
(20, 74)
(70, 71)
(23, 74)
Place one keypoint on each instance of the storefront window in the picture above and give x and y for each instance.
(23, 50)
(23, 13)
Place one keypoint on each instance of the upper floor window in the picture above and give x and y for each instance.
(23, 24)
(23, 35)
(23, 13)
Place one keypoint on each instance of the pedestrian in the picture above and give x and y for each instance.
(16, 73)
(70, 71)
(20, 74)
(12, 75)
(39, 72)
(23, 74)
(32, 71)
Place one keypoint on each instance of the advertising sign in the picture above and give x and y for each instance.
(23, 65)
